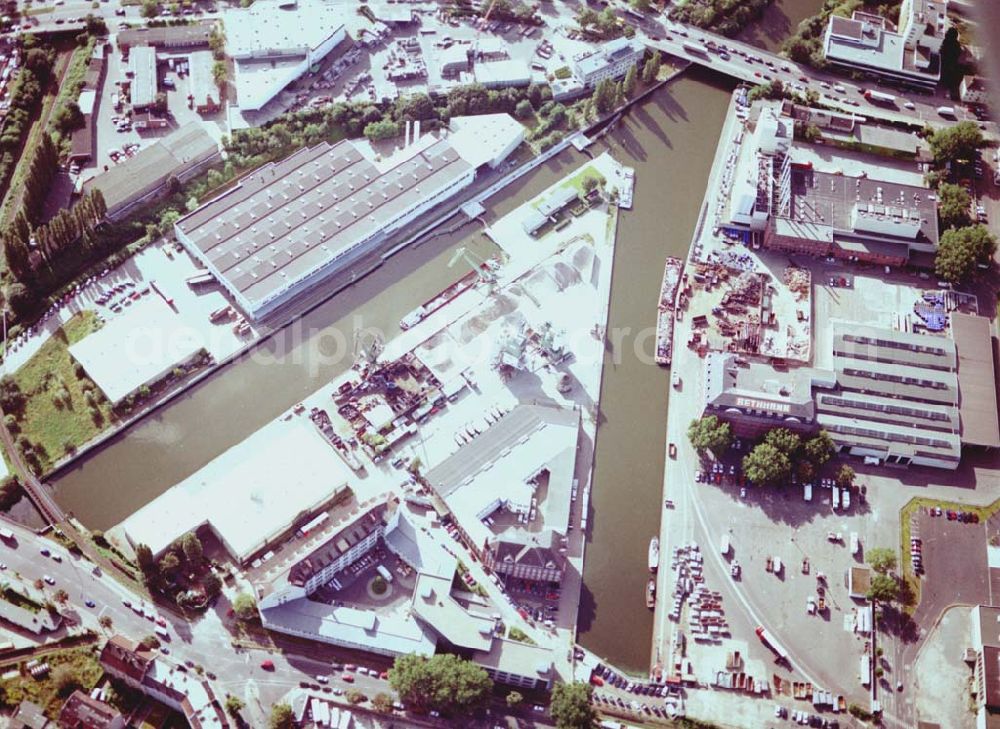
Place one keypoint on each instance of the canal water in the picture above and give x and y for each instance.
(670, 141)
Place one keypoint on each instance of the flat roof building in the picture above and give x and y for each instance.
(203, 90)
(611, 60)
(871, 44)
(291, 224)
(892, 397)
(142, 88)
(250, 495)
(510, 491)
(798, 209)
(144, 176)
(168, 38)
(273, 43)
(137, 348)
(502, 74)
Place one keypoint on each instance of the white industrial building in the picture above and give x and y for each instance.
(289, 603)
(908, 55)
(250, 495)
(142, 66)
(502, 74)
(273, 43)
(294, 223)
(611, 60)
(138, 347)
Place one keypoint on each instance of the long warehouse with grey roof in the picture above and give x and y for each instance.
(291, 224)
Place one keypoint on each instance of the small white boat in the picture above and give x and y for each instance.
(654, 554)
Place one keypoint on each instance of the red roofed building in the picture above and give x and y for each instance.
(82, 712)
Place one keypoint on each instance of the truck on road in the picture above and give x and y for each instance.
(769, 640)
(877, 97)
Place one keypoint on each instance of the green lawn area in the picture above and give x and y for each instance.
(57, 416)
(520, 636)
(578, 179)
(38, 11)
(44, 691)
(913, 506)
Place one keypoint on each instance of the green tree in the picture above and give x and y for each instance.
(845, 476)
(883, 588)
(281, 717)
(524, 109)
(642, 6)
(631, 79)
(570, 706)
(383, 129)
(169, 565)
(766, 465)
(212, 584)
(61, 596)
(651, 69)
(233, 705)
(604, 96)
(960, 250)
(881, 559)
(150, 8)
(193, 551)
(956, 142)
(443, 682)
(245, 607)
(105, 622)
(220, 74)
(144, 557)
(149, 642)
(820, 448)
(382, 702)
(953, 206)
(66, 678)
(785, 441)
(514, 698)
(709, 434)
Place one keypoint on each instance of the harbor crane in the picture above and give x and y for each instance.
(484, 269)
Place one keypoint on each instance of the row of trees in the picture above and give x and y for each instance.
(604, 25)
(33, 251)
(41, 169)
(455, 687)
(774, 458)
(25, 97)
(726, 17)
(963, 246)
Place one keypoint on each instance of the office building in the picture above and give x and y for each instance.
(908, 55)
(174, 687)
(973, 91)
(890, 397)
(612, 60)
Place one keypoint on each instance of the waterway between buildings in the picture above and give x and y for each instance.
(670, 141)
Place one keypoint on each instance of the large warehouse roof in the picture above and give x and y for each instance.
(291, 218)
(977, 380)
(136, 347)
(149, 169)
(250, 494)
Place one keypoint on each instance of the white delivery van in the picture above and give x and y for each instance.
(807, 492)
(836, 498)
